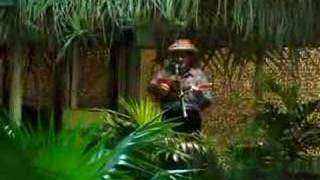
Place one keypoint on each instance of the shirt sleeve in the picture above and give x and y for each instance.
(154, 86)
(204, 98)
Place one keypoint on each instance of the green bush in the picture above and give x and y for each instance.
(123, 148)
(275, 142)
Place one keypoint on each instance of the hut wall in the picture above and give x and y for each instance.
(93, 90)
(233, 86)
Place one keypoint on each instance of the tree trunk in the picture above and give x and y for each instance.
(16, 86)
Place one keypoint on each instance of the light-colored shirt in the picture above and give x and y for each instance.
(196, 100)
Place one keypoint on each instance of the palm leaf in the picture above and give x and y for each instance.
(141, 111)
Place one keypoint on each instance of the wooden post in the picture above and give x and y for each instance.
(146, 53)
(126, 55)
(5, 83)
(125, 66)
(59, 94)
(67, 79)
(75, 76)
(71, 79)
(16, 86)
(146, 67)
(122, 70)
(113, 75)
(133, 66)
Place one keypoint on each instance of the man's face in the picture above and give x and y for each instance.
(185, 58)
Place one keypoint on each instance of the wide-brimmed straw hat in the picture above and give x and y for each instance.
(182, 45)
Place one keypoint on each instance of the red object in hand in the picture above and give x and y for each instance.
(204, 87)
(165, 84)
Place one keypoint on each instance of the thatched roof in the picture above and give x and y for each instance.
(253, 24)
(259, 23)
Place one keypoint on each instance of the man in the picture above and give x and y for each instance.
(181, 78)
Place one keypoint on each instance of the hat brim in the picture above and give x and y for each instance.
(183, 49)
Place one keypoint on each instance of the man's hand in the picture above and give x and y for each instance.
(165, 86)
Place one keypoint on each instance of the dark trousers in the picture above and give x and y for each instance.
(190, 124)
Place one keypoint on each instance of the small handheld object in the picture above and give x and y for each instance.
(202, 87)
(165, 84)
(181, 92)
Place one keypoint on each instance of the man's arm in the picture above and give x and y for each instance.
(203, 95)
(162, 85)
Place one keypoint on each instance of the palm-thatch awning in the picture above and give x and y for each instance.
(237, 23)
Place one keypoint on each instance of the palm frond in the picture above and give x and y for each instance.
(141, 111)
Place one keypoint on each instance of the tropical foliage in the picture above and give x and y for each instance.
(277, 142)
(179, 149)
(95, 153)
(141, 111)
